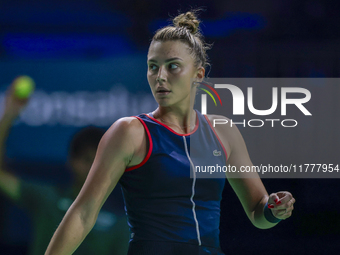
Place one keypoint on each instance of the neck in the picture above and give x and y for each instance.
(183, 121)
(180, 116)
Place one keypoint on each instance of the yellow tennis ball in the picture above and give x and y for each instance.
(23, 86)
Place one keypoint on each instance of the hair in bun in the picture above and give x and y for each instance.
(187, 20)
(186, 28)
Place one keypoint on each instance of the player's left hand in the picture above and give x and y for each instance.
(281, 204)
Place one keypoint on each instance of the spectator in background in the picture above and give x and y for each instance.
(47, 204)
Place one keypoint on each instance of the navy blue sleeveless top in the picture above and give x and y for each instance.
(164, 198)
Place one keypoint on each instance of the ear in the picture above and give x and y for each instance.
(200, 73)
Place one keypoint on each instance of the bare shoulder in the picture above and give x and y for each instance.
(124, 128)
(127, 124)
(126, 137)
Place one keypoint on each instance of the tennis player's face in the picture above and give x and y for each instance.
(171, 71)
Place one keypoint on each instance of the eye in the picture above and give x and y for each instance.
(173, 66)
(152, 67)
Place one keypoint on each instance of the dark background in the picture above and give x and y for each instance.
(88, 59)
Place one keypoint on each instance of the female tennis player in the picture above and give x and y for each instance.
(170, 213)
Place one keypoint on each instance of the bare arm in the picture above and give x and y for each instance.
(116, 151)
(9, 183)
(248, 186)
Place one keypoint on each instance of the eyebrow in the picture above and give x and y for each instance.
(168, 60)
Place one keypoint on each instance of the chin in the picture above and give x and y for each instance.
(163, 103)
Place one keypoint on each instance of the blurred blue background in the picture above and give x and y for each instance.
(88, 59)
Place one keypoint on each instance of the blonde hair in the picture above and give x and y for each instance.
(186, 28)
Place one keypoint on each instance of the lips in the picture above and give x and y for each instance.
(162, 91)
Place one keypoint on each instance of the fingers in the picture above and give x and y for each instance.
(284, 196)
(273, 198)
(13, 104)
(281, 204)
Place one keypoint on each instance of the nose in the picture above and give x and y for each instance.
(161, 77)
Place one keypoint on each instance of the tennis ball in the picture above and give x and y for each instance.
(23, 87)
